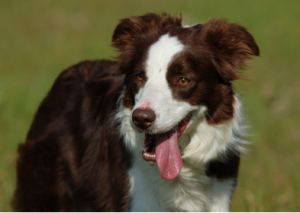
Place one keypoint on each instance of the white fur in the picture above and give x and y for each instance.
(156, 93)
(220, 194)
(201, 142)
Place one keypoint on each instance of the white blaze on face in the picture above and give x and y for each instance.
(156, 93)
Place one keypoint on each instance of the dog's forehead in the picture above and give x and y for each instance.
(161, 53)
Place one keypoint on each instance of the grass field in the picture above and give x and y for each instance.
(40, 38)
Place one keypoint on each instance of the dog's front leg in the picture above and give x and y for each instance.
(220, 194)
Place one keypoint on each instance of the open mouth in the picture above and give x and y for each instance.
(163, 149)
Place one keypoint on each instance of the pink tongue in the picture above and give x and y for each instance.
(168, 157)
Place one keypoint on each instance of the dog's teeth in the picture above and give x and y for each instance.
(150, 155)
(143, 148)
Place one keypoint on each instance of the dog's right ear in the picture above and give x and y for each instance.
(126, 38)
(138, 28)
(125, 33)
(137, 31)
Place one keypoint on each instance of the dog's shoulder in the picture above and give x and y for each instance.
(84, 82)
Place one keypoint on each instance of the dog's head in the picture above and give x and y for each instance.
(176, 74)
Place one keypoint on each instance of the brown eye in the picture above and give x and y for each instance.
(184, 81)
(140, 76)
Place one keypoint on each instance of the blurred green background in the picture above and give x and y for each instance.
(40, 38)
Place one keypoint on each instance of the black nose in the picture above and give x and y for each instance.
(143, 119)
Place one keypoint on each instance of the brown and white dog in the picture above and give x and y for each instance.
(158, 130)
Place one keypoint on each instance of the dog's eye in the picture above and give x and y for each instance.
(140, 76)
(184, 81)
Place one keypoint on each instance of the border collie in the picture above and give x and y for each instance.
(158, 130)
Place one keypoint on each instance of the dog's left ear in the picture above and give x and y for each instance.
(231, 45)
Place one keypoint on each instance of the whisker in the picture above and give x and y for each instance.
(210, 117)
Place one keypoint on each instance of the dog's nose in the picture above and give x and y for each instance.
(143, 119)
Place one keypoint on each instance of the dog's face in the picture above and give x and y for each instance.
(174, 74)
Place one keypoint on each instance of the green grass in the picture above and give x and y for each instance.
(40, 38)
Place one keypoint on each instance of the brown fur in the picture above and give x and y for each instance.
(73, 158)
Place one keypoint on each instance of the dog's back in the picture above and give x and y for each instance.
(62, 165)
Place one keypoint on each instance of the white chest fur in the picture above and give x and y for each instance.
(150, 192)
(192, 190)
